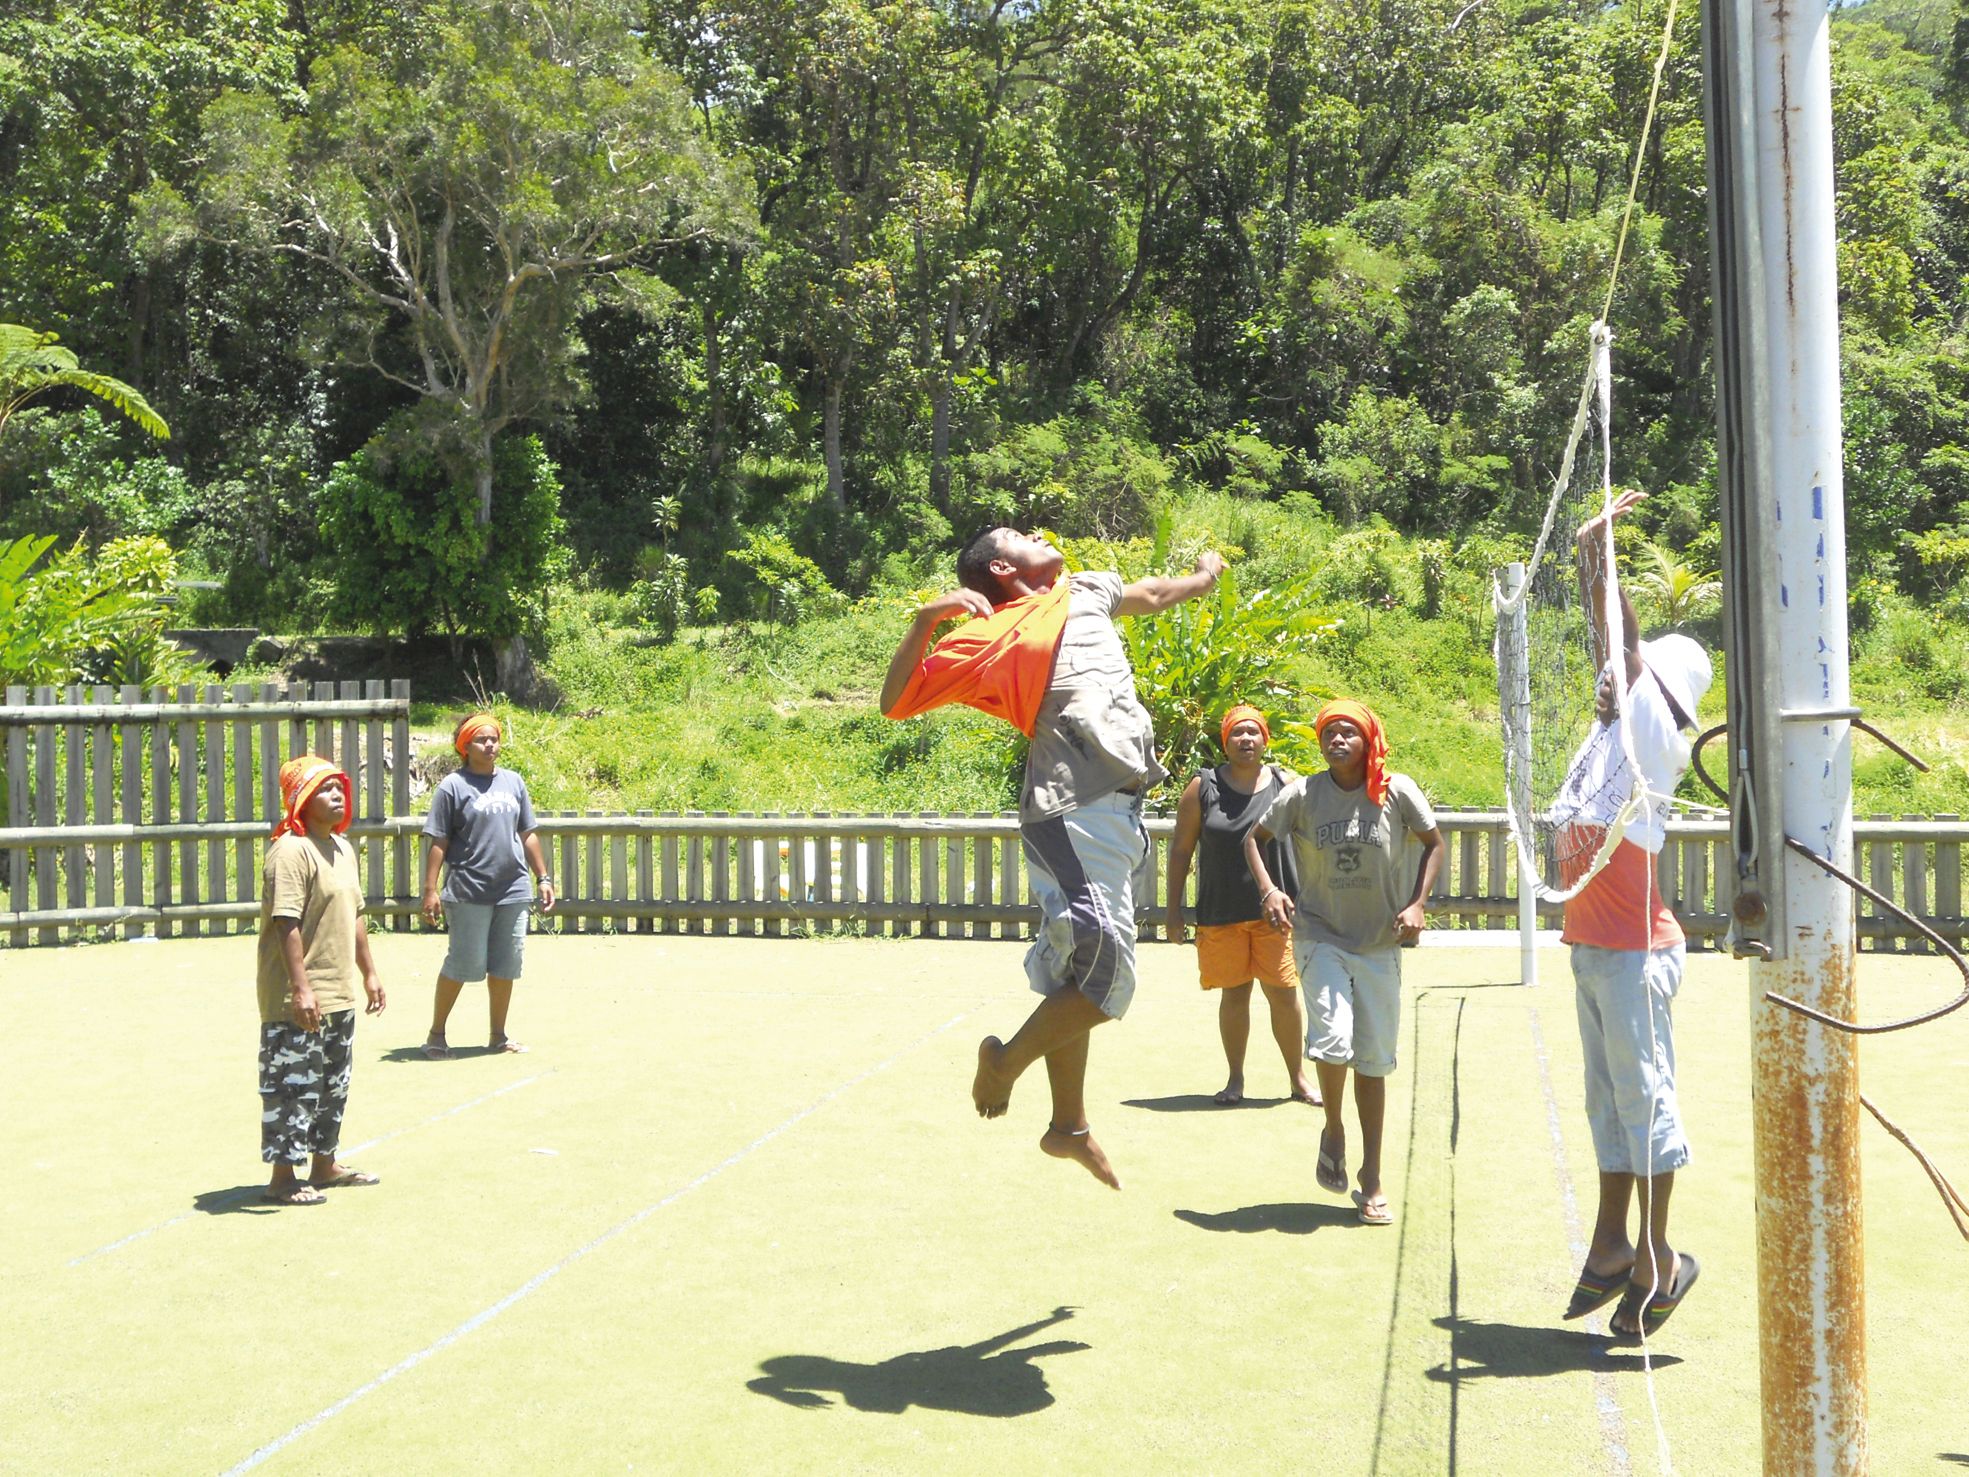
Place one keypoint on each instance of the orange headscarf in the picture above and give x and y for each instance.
(999, 664)
(1239, 713)
(471, 728)
(299, 779)
(1362, 717)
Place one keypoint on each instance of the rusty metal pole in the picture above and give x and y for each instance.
(1769, 104)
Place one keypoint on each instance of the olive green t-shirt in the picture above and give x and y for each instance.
(1357, 860)
(318, 885)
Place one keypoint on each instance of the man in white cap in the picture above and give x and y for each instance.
(1627, 948)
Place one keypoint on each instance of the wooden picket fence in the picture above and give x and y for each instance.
(139, 811)
(132, 813)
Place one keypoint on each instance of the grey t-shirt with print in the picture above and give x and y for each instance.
(480, 818)
(1092, 736)
(1356, 860)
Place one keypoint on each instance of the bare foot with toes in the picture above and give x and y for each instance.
(1080, 1147)
(989, 1089)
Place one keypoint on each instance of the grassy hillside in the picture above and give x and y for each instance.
(735, 718)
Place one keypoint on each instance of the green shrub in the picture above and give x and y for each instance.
(663, 595)
(786, 585)
(401, 538)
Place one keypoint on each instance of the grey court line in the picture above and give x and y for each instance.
(541, 1278)
(1613, 1425)
(367, 1144)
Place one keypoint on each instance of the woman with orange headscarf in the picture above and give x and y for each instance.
(481, 835)
(1234, 945)
(1367, 849)
(313, 950)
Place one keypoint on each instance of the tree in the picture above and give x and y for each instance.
(470, 188)
(33, 364)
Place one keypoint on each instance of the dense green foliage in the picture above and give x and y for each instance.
(794, 295)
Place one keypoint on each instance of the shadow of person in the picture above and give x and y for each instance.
(416, 1053)
(1290, 1218)
(1506, 1351)
(239, 1200)
(1182, 1102)
(1959, 1458)
(988, 1378)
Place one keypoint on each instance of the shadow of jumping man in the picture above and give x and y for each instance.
(1508, 1351)
(987, 1378)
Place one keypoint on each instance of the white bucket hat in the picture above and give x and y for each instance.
(1682, 667)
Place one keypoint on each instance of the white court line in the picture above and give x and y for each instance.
(540, 1279)
(1613, 1424)
(241, 1195)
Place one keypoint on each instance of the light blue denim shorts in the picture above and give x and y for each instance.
(486, 939)
(1353, 1005)
(1627, 1040)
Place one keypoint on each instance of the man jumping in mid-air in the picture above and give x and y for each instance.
(1046, 656)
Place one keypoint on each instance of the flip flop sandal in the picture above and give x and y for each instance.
(504, 1043)
(1659, 1308)
(348, 1178)
(1331, 1171)
(1369, 1216)
(297, 1194)
(1595, 1290)
(436, 1051)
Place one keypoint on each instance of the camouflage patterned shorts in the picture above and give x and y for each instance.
(304, 1086)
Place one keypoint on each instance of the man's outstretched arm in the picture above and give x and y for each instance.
(1160, 591)
(1596, 555)
(917, 639)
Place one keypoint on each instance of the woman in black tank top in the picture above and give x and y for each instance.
(1234, 944)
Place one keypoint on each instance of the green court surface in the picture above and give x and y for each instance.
(734, 1213)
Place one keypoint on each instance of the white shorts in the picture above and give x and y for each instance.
(1353, 1005)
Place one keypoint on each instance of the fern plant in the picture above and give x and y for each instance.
(32, 363)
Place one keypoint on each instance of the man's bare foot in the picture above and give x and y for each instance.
(1081, 1148)
(1232, 1093)
(989, 1089)
(1304, 1092)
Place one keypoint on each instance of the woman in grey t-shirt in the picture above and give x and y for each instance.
(482, 838)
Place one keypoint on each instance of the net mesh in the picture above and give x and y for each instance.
(1567, 813)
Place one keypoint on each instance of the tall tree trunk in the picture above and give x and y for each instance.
(716, 431)
(942, 389)
(140, 293)
(837, 482)
(940, 394)
(482, 480)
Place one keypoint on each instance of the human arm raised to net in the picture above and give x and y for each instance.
(1595, 548)
(1157, 592)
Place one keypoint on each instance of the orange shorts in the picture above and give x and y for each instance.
(1230, 954)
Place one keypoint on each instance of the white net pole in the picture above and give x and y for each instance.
(1514, 688)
